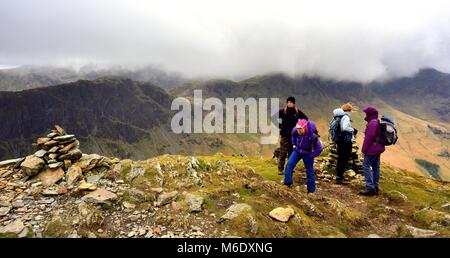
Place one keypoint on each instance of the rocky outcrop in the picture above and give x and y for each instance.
(235, 210)
(14, 227)
(282, 214)
(195, 202)
(50, 176)
(166, 198)
(418, 232)
(32, 165)
(100, 196)
(438, 131)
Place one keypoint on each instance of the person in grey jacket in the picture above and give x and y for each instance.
(344, 144)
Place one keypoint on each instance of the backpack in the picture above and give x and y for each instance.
(336, 133)
(388, 131)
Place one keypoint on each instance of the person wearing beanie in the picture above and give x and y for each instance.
(287, 118)
(372, 150)
(344, 144)
(307, 146)
(290, 99)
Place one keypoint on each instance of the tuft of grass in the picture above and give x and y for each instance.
(419, 190)
(205, 165)
(125, 170)
(427, 216)
(8, 235)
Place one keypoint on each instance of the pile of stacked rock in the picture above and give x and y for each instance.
(355, 162)
(57, 150)
(58, 160)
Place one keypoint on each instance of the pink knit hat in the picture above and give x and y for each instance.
(302, 123)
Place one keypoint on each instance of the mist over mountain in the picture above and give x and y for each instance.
(345, 41)
(32, 76)
(426, 95)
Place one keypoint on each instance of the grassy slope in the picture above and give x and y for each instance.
(421, 192)
(340, 212)
(334, 211)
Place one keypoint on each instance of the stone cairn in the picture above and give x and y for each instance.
(355, 162)
(58, 159)
(57, 150)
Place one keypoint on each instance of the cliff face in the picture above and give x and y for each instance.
(110, 108)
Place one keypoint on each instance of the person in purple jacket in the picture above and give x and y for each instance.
(372, 150)
(307, 146)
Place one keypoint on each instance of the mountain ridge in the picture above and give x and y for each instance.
(128, 130)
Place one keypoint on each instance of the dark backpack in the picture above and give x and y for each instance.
(388, 131)
(336, 133)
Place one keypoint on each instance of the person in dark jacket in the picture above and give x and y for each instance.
(307, 146)
(344, 144)
(372, 150)
(288, 117)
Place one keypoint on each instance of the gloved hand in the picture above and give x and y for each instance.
(355, 131)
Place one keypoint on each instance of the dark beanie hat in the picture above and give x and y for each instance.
(291, 99)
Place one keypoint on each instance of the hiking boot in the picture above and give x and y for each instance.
(377, 190)
(311, 195)
(367, 192)
(282, 182)
(342, 182)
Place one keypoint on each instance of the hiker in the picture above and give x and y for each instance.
(372, 150)
(288, 117)
(306, 146)
(343, 138)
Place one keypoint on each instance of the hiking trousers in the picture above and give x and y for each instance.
(295, 157)
(371, 168)
(285, 151)
(344, 150)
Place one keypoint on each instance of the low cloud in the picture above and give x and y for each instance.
(343, 40)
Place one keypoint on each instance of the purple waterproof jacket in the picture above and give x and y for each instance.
(304, 143)
(372, 133)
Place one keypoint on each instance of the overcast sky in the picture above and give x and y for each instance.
(344, 40)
